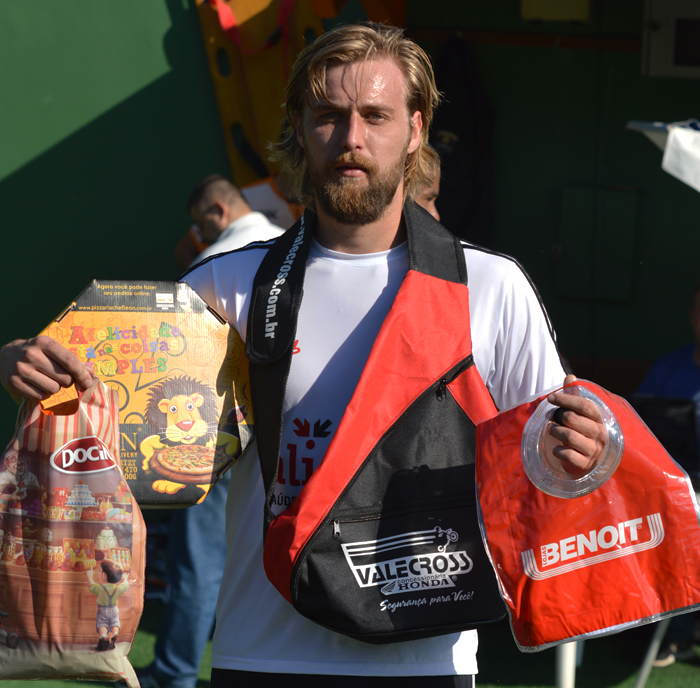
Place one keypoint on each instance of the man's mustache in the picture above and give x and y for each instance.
(354, 160)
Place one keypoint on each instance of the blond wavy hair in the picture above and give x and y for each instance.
(348, 44)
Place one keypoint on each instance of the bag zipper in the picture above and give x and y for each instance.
(439, 386)
(441, 391)
(336, 523)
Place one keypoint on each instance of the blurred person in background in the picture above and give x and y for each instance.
(223, 212)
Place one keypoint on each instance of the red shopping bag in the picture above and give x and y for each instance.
(578, 557)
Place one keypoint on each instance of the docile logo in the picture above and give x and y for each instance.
(84, 455)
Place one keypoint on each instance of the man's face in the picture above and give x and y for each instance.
(356, 142)
(211, 218)
(16, 465)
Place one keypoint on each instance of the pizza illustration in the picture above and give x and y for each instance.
(189, 463)
(186, 446)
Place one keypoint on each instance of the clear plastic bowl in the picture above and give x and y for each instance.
(546, 472)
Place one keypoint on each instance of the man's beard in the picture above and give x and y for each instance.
(347, 200)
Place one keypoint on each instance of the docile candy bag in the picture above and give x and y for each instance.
(73, 545)
(581, 557)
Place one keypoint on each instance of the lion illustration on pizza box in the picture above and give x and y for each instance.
(188, 447)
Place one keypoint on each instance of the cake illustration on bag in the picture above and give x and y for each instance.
(81, 496)
(106, 539)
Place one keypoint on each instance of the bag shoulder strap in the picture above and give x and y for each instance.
(272, 323)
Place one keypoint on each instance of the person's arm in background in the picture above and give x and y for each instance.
(188, 248)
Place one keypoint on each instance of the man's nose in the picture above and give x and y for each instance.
(353, 132)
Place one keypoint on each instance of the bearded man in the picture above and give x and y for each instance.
(359, 104)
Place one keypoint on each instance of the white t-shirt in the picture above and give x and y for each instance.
(346, 298)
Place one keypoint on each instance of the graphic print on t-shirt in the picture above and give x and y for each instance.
(299, 459)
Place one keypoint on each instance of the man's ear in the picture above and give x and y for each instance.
(416, 122)
(222, 212)
(219, 208)
(296, 120)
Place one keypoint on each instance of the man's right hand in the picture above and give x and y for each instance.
(37, 368)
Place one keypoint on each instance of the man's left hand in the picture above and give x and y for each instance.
(578, 427)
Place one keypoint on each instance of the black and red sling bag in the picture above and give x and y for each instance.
(383, 542)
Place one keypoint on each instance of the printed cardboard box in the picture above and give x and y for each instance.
(182, 379)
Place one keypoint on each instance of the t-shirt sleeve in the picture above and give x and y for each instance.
(201, 279)
(224, 282)
(514, 344)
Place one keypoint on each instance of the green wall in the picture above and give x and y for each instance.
(107, 119)
(560, 123)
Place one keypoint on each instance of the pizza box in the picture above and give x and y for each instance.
(182, 379)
